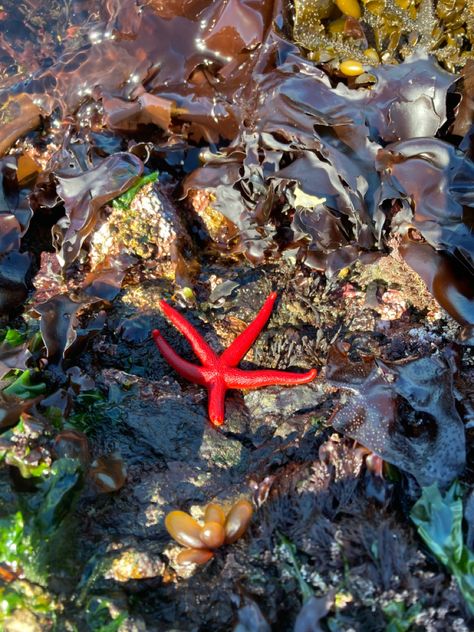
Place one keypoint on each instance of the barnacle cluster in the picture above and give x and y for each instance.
(135, 228)
(369, 32)
(218, 529)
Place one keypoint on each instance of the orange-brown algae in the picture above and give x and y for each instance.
(237, 521)
(108, 473)
(72, 444)
(218, 529)
(349, 7)
(213, 535)
(351, 68)
(184, 529)
(194, 556)
(214, 513)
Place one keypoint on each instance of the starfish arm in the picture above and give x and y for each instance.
(190, 371)
(236, 378)
(200, 347)
(216, 392)
(239, 347)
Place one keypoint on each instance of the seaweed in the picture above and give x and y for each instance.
(123, 201)
(399, 617)
(404, 412)
(438, 519)
(386, 31)
(24, 387)
(321, 149)
(35, 542)
(85, 194)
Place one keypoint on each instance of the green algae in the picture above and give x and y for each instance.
(90, 410)
(13, 337)
(439, 519)
(36, 542)
(24, 386)
(124, 201)
(293, 566)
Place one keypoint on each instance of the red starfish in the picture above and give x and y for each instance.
(218, 373)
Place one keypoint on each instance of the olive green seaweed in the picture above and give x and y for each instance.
(393, 30)
(24, 386)
(438, 519)
(399, 617)
(35, 541)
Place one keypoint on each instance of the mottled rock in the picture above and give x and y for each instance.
(150, 228)
(134, 564)
(284, 401)
(173, 455)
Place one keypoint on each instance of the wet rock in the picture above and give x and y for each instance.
(173, 455)
(283, 401)
(170, 424)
